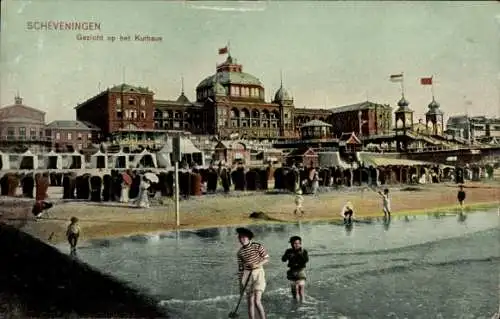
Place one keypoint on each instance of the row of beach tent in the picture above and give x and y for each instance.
(100, 160)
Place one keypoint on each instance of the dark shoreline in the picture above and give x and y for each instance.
(38, 281)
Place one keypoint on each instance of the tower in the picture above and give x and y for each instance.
(404, 123)
(434, 118)
(285, 101)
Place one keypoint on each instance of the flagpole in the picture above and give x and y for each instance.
(403, 85)
(432, 87)
(228, 48)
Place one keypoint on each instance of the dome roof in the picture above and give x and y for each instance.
(282, 95)
(315, 123)
(433, 104)
(403, 105)
(226, 77)
(183, 99)
(403, 102)
(434, 108)
(219, 89)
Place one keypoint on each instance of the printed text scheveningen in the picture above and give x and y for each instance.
(63, 25)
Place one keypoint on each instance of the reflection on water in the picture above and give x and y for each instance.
(408, 267)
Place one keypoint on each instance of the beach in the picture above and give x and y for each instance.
(110, 220)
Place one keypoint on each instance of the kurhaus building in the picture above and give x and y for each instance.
(228, 103)
(232, 102)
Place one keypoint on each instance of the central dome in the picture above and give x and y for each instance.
(230, 80)
(228, 77)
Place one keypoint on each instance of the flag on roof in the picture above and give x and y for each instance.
(396, 77)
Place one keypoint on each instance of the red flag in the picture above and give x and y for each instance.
(426, 81)
(223, 50)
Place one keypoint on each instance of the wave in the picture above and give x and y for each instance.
(310, 301)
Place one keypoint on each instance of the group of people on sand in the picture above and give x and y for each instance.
(347, 211)
(252, 257)
(142, 199)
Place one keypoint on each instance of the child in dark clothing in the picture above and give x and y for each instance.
(461, 197)
(72, 234)
(297, 258)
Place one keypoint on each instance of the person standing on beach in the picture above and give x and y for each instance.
(386, 203)
(126, 182)
(72, 234)
(143, 198)
(299, 199)
(297, 258)
(252, 257)
(461, 197)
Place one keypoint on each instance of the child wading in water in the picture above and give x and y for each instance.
(297, 259)
(461, 197)
(386, 203)
(72, 234)
(299, 199)
(348, 213)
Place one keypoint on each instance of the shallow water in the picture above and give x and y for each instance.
(417, 267)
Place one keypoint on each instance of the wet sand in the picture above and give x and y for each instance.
(108, 220)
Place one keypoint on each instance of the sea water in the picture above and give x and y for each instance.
(415, 267)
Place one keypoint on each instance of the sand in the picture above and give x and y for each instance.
(108, 220)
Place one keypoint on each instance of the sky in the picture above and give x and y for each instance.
(330, 53)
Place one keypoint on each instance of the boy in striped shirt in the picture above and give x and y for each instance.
(251, 257)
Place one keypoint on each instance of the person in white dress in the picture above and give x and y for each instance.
(143, 199)
(315, 183)
(125, 188)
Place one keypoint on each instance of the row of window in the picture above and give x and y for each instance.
(11, 131)
(246, 91)
(175, 125)
(130, 114)
(69, 135)
(174, 114)
(131, 101)
(236, 91)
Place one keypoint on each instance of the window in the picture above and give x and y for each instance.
(89, 136)
(79, 136)
(22, 131)
(58, 136)
(79, 146)
(70, 136)
(118, 101)
(177, 124)
(10, 131)
(143, 102)
(119, 114)
(131, 101)
(33, 133)
(143, 114)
